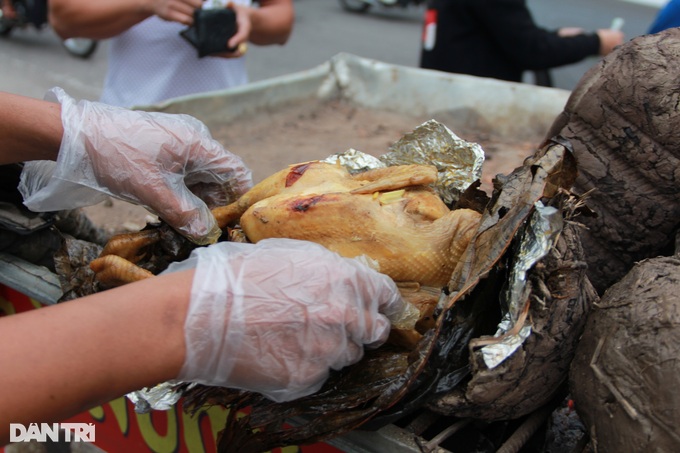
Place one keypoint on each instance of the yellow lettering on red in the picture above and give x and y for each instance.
(119, 407)
(160, 443)
(6, 307)
(193, 437)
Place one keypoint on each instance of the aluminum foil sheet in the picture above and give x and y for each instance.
(539, 237)
(459, 162)
(161, 397)
(355, 161)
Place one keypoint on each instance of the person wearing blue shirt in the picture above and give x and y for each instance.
(668, 17)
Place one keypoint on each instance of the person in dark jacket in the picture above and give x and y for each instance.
(499, 39)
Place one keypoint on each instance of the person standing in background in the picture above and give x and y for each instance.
(668, 17)
(150, 62)
(499, 39)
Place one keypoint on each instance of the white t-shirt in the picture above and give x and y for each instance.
(151, 62)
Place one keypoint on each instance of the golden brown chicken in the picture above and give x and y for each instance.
(388, 215)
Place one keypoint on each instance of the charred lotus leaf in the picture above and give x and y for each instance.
(71, 262)
(561, 297)
(75, 223)
(622, 121)
(626, 371)
(390, 382)
(170, 247)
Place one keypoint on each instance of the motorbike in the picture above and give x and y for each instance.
(361, 6)
(33, 13)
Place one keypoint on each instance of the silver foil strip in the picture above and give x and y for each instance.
(539, 237)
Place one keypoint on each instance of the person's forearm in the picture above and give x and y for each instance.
(95, 19)
(272, 22)
(31, 129)
(59, 361)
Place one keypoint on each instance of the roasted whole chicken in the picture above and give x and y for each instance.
(389, 216)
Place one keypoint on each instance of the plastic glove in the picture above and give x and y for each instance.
(146, 158)
(276, 316)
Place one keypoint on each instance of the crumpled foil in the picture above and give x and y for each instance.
(458, 161)
(355, 161)
(539, 237)
(161, 397)
(459, 164)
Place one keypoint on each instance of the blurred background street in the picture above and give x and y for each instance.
(33, 61)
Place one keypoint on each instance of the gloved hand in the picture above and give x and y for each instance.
(146, 158)
(276, 316)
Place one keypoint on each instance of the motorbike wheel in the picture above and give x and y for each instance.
(80, 47)
(355, 6)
